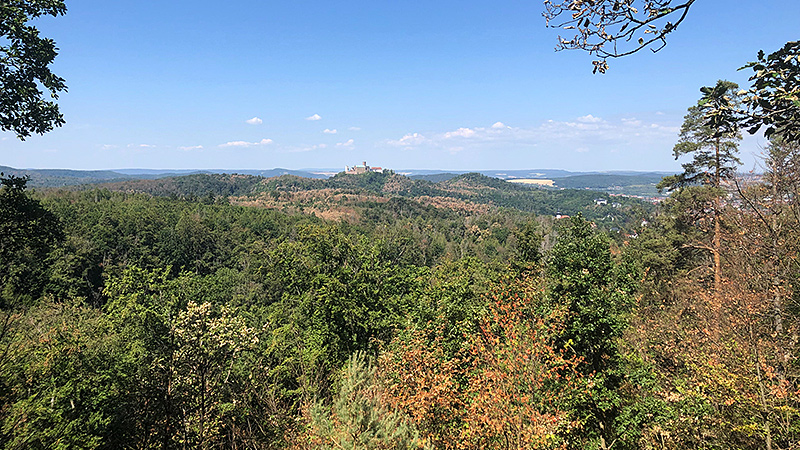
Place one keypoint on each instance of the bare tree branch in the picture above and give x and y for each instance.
(606, 28)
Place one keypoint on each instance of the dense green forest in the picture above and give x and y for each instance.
(376, 311)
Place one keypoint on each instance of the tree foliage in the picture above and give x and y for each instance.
(24, 60)
(359, 416)
(710, 134)
(505, 388)
(172, 322)
(28, 233)
(597, 294)
(61, 381)
(773, 100)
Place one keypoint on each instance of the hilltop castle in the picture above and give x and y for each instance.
(361, 168)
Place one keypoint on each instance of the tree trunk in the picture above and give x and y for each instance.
(716, 241)
(716, 246)
(761, 391)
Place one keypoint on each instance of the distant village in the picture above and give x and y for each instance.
(361, 168)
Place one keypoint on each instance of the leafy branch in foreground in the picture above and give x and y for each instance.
(24, 61)
(774, 98)
(606, 27)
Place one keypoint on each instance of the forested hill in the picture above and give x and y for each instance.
(623, 183)
(347, 195)
(63, 177)
(69, 177)
(191, 186)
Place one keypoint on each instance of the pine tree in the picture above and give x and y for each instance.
(711, 134)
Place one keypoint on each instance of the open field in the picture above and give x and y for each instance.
(534, 181)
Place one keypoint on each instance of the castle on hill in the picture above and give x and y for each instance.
(361, 168)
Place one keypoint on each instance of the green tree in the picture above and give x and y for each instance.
(184, 354)
(666, 248)
(208, 342)
(529, 241)
(711, 134)
(24, 61)
(332, 296)
(28, 233)
(359, 417)
(62, 383)
(774, 98)
(597, 293)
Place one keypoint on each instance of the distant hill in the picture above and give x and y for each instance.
(191, 186)
(637, 184)
(153, 173)
(345, 195)
(628, 183)
(63, 177)
(435, 177)
(529, 173)
(68, 177)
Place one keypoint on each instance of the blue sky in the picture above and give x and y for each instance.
(437, 85)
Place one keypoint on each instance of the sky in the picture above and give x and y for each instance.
(441, 84)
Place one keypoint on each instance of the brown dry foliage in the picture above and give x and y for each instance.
(503, 391)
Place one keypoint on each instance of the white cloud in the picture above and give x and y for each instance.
(354, 129)
(190, 148)
(589, 119)
(109, 146)
(410, 140)
(314, 117)
(327, 131)
(347, 143)
(245, 144)
(588, 134)
(461, 132)
(141, 146)
(305, 149)
(254, 121)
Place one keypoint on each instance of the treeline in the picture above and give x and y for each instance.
(132, 320)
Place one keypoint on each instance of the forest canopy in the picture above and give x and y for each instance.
(251, 318)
